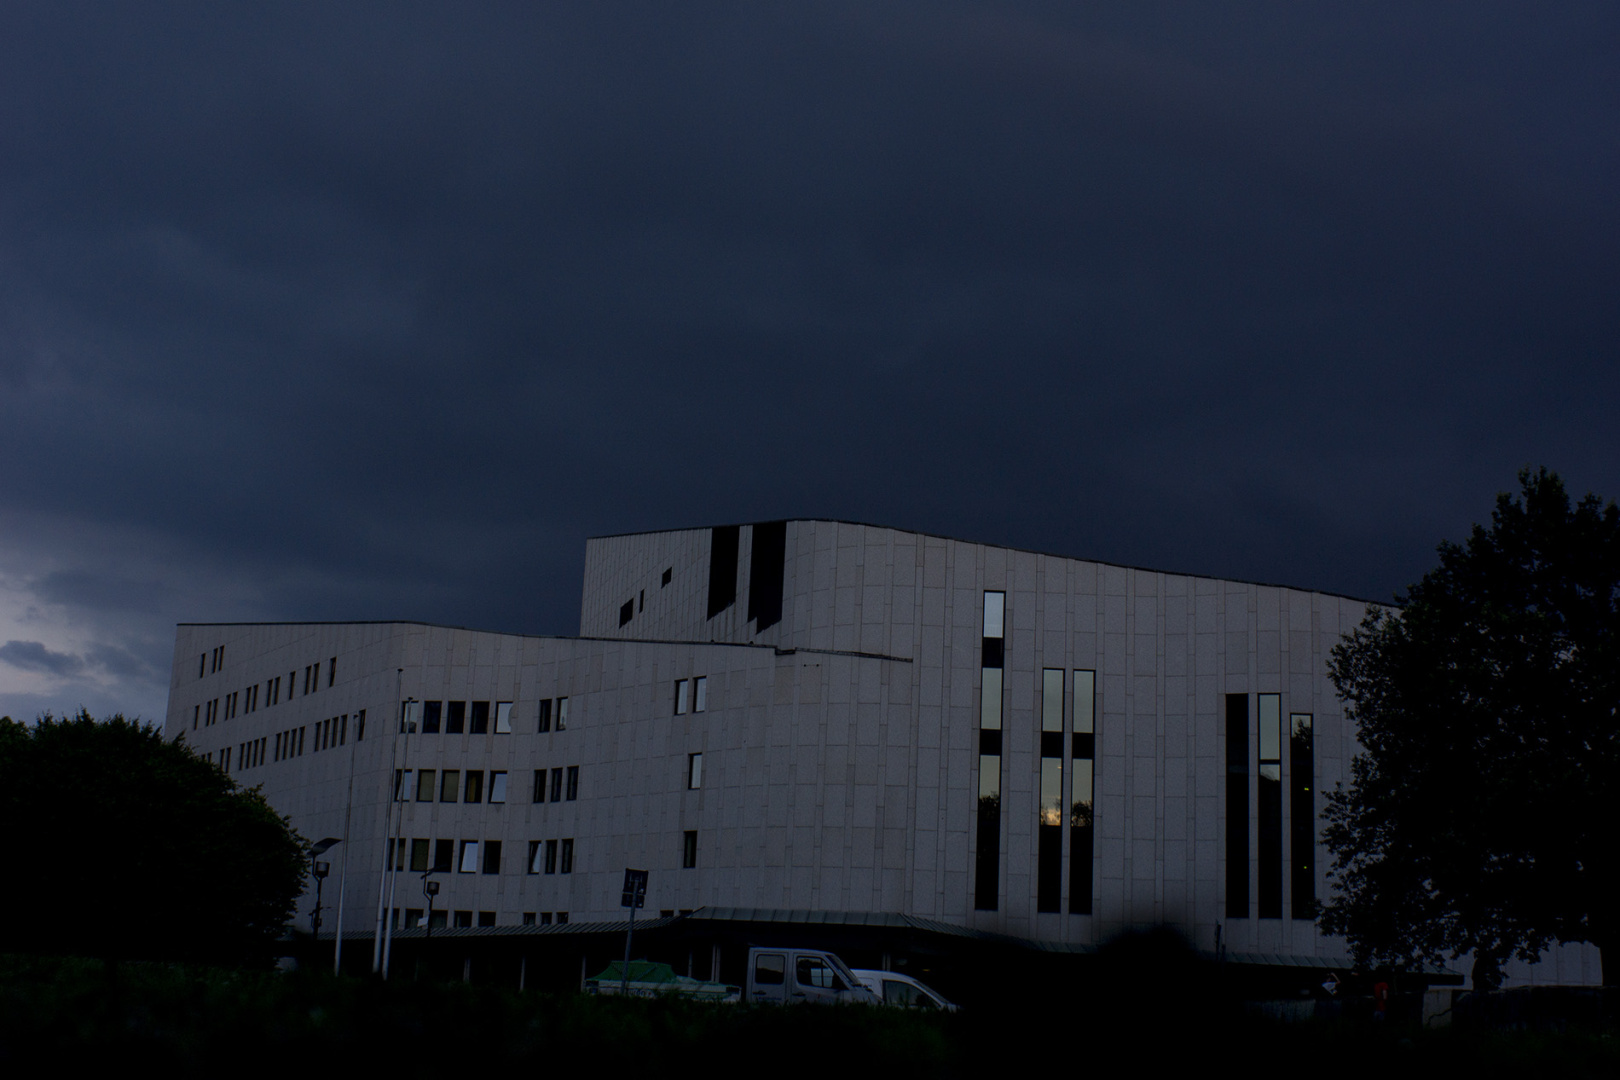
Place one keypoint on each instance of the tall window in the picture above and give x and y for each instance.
(700, 693)
(1271, 853)
(1082, 796)
(694, 771)
(1237, 806)
(1302, 815)
(689, 849)
(680, 697)
(987, 858)
(1049, 811)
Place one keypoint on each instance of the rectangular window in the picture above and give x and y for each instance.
(469, 857)
(480, 718)
(474, 791)
(680, 697)
(545, 716)
(306, 680)
(492, 856)
(1302, 815)
(503, 718)
(562, 918)
(1270, 807)
(556, 785)
(464, 920)
(455, 720)
(528, 918)
(700, 693)
(497, 787)
(444, 856)
(669, 574)
(767, 564)
(694, 771)
(300, 742)
(202, 665)
(431, 713)
(1237, 806)
(449, 784)
(562, 714)
(573, 782)
(424, 785)
(724, 543)
(343, 729)
(225, 759)
(689, 849)
(196, 714)
(551, 856)
(539, 785)
(396, 851)
(331, 671)
(1049, 812)
(987, 856)
(413, 918)
(1082, 749)
(567, 866)
(486, 918)
(537, 849)
(627, 611)
(421, 855)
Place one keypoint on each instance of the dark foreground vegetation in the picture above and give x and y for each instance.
(192, 1020)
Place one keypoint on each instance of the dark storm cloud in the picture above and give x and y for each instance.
(34, 656)
(380, 310)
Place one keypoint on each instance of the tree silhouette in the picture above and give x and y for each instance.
(129, 847)
(1481, 816)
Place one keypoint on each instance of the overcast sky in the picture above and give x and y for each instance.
(365, 311)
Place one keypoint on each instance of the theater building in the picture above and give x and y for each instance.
(809, 728)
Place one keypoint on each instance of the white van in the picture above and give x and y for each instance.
(902, 990)
(803, 976)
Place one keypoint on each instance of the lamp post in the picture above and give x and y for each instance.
(320, 870)
(430, 889)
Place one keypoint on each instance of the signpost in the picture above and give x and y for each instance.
(635, 896)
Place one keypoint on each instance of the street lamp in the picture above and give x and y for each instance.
(320, 871)
(430, 889)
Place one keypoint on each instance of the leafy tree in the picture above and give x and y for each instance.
(1482, 815)
(123, 845)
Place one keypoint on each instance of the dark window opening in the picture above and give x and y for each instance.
(627, 611)
(431, 712)
(723, 546)
(455, 719)
(767, 566)
(567, 866)
(545, 715)
(689, 850)
(492, 857)
(573, 782)
(1237, 806)
(480, 718)
(1302, 810)
(669, 574)
(444, 856)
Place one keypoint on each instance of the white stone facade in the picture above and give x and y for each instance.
(840, 744)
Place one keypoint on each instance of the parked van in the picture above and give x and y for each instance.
(902, 990)
(807, 976)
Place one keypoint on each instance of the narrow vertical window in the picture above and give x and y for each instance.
(987, 858)
(497, 787)
(202, 665)
(1082, 796)
(573, 782)
(1237, 806)
(492, 856)
(536, 855)
(1270, 807)
(567, 866)
(562, 714)
(689, 849)
(480, 718)
(551, 856)
(196, 714)
(473, 792)
(700, 693)
(694, 771)
(724, 543)
(331, 671)
(432, 711)
(1049, 812)
(556, 785)
(449, 782)
(424, 784)
(627, 611)
(1302, 816)
(545, 716)
(669, 575)
(539, 785)
(503, 718)
(421, 855)
(680, 697)
(469, 857)
(455, 717)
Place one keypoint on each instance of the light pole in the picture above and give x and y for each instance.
(430, 889)
(320, 870)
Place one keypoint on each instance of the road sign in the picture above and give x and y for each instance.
(635, 889)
